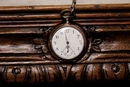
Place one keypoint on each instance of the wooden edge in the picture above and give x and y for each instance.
(62, 7)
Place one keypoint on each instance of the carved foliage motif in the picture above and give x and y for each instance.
(65, 73)
(41, 44)
(95, 45)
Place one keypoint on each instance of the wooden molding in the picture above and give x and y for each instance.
(24, 53)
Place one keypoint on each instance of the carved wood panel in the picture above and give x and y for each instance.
(65, 73)
(26, 58)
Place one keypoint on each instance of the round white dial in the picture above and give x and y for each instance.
(67, 43)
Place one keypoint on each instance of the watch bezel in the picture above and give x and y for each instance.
(77, 27)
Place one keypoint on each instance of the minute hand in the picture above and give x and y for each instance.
(67, 42)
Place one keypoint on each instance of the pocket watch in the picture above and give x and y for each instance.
(67, 41)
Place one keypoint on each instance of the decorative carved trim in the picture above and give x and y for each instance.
(25, 57)
(66, 73)
(95, 45)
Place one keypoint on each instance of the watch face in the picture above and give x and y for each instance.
(67, 42)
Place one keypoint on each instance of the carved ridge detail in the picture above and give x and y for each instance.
(71, 73)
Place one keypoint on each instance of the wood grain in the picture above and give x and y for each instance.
(25, 56)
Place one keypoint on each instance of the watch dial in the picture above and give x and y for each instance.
(67, 43)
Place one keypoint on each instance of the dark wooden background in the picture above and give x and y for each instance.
(25, 57)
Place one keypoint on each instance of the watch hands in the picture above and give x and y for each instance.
(69, 53)
(67, 42)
